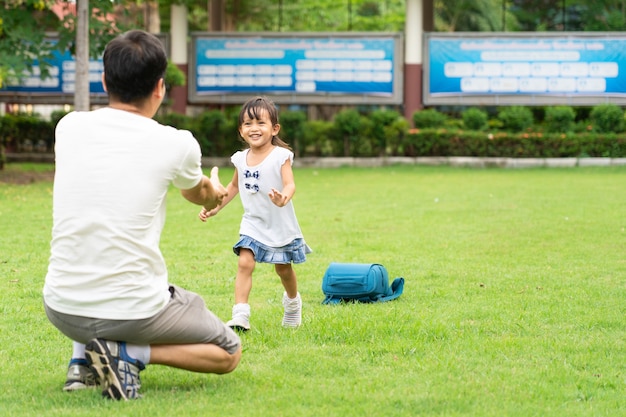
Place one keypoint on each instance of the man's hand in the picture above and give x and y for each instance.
(209, 193)
(219, 189)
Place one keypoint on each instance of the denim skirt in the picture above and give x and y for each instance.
(293, 252)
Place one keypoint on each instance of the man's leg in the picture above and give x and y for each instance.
(79, 376)
(118, 373)
(197, 357)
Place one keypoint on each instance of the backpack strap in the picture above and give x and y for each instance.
(329, 299)
(397, 286)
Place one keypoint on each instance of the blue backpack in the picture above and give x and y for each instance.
(365, 283)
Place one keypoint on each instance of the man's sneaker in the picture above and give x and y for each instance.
(116, 372)
(241, 317)
(293, 311)
(79, 376)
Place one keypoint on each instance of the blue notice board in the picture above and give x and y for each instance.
(60, 85)
(296, 65)
(62, 79)
(574, 68)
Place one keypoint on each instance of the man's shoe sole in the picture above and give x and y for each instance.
(76, 386)
(100, 361)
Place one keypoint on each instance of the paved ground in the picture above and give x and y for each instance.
(11, 176)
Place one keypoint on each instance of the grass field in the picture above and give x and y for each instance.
(514, 301)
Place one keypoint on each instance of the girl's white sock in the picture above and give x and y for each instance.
(241, 309)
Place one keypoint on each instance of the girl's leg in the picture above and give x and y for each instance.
(243, 286)
(288, 278)
(292, 302)
(243, 280)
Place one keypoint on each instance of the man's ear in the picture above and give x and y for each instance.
(160, 89)
(104, 84)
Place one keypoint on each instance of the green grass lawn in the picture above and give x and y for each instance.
(513, 302)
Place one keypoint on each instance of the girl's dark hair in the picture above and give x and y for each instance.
(134, 62)
(253, 108)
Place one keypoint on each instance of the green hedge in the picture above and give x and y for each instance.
(441, 142)
(508, 132)
(26, 133)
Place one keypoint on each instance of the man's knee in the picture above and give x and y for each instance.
(231, 362)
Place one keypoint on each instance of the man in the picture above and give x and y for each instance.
(107, 285)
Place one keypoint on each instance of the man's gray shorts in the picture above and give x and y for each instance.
(184, 320)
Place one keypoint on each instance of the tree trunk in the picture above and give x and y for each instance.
(216, 15)
(151, 17)
(81, 89)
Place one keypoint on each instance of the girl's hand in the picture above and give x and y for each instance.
(278, 198)
(205, 214)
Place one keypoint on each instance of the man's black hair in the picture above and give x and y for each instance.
(134, 62)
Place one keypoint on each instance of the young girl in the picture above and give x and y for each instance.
(269, 231)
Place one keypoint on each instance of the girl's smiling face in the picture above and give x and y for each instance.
(258, 131)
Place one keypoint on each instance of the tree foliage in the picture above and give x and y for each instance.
(296, 15)
(26, 24)
(22, 37)
(31, 31)
(570, 15)
(473, 16)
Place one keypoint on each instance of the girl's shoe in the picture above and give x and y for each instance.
(241, 317)
(293, 311)
(240, 323)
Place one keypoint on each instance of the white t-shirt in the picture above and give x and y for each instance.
(113, 171)
(263, 220)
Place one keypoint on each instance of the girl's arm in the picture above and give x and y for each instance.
(232, 189)
(281, 198)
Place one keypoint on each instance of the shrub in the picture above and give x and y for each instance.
(3, 156)
(515, 118)
(607, 118)
(292, 129)
(382, 120)
(211, 129)
(9, 132)
(26, 133)
(605, 145)
(348, 126)
(454, 123)
(381, 132)
(364, 144)
(317, 139)
(57, 115)
(429, 118)
(395, 136)
(174, 76)
(177, 120)
(560, 119)
(474, 118)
